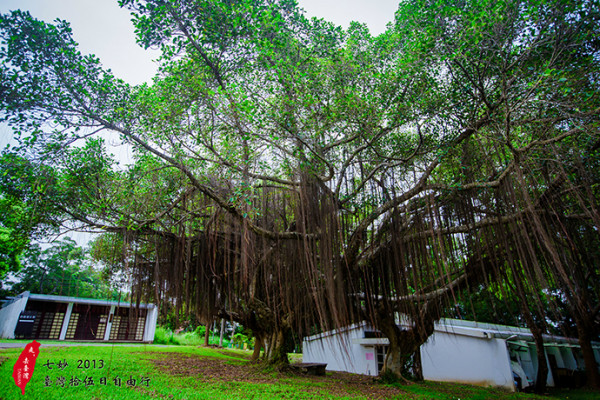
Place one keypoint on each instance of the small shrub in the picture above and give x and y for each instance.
(190, 339)
(239, 339)
(164, 335)
(200, 330)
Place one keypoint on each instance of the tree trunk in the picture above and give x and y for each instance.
(591, 366)
(406, 348)
(417, 366)
(278, 354)
(206, 335)
(279, 351)
(394, 361)
(542, 372)
(268, 347)
(404, 345)
(258, 342)
(537, 332)
(222, 332)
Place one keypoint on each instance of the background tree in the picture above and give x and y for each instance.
(62, 269)
(25, 208)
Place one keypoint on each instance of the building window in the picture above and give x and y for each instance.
(41, 320)
(128, 324)
(72, 326)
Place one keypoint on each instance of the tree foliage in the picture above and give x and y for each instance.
(295, 176)
(62, 269)
(26, 209)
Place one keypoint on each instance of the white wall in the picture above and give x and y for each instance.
(568, 357)
(460, 358)
(9, 316)
(528, 359)
(445, 357)
(532, 373)
(553, 350)
(452, 354)
(150, 328)
(341, 355)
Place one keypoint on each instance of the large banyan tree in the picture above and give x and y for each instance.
(295, 177)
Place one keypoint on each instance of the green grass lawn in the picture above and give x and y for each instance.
(187, 372)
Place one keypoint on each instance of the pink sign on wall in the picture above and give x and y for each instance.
(370, 356)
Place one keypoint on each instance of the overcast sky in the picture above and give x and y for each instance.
(101, 27)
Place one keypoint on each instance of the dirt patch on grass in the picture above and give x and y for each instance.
(334, 384)
(234, 354)
(207, 368)
(347, 384)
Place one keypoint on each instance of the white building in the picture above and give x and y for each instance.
(458, 351)
(40, 316)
